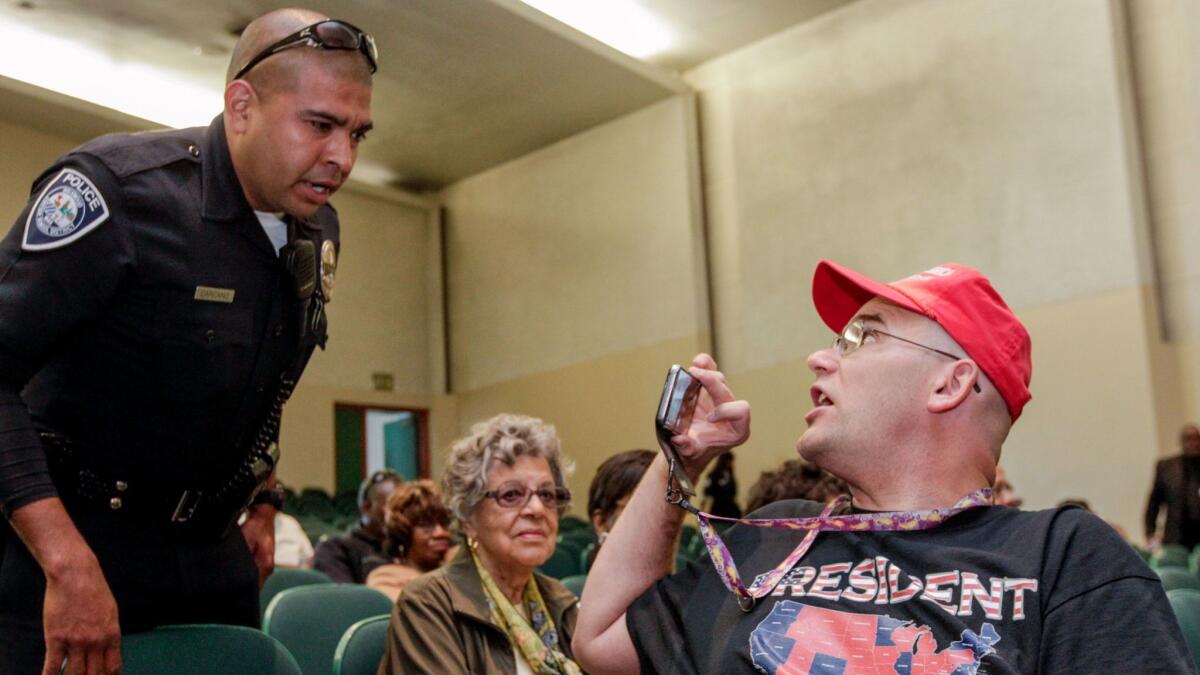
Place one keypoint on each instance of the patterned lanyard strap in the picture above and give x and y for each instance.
(894, 521)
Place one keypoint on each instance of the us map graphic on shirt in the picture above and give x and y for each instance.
(797, 639)
(800, 639)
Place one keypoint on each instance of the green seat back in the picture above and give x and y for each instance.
(584, 555)
(310, 620)
(574, 583)
(361, 648)
(1170, 555)
(284, 578)
(1186, 604)
(573, 524)
(1177, 577)
(564, 563)
(202, 649)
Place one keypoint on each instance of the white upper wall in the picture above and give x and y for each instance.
(892, 136)
(579, 250)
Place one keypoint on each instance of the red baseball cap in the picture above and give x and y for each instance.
(960, 299)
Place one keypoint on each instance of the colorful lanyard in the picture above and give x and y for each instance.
(893, 521)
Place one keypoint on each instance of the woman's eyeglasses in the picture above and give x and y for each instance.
(517, 497)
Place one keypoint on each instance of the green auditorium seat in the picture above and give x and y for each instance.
(310, 620)
(284, 578)
(1177, 577)
(564, 563)
(203, 649)
(361, 648)
(574, 583)
(1194, 561)
(1186, 604)
(573, 524)
(584, 555)
(1170, 555)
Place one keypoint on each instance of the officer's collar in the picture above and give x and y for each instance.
(223, 196)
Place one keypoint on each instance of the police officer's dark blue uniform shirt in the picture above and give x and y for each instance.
(145, 316)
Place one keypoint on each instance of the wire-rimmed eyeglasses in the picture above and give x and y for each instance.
(857, 332)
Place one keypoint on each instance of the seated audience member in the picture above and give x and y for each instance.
(416, 536)
(1003, 492)
(611, 489)
(911, 405)
(795, 479)
(488, 611)
(348, 559)
(292, 545)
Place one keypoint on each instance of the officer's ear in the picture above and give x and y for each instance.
(239, 96)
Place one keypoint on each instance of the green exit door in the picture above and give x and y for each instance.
(369, 439)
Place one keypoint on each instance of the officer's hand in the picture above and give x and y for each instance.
(259, 531)
(719, 423)
(80, 622)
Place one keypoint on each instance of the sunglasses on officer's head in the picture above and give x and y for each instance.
(329, 34)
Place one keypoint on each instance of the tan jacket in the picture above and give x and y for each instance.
(442, 624)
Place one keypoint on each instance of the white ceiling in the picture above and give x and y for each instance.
(463, 85)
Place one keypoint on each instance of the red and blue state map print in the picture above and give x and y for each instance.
(796, 639)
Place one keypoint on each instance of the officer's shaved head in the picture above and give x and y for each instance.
(281, 69)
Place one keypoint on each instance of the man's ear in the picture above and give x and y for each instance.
(953, 385)
(240, 97)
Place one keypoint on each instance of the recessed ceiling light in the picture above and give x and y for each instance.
(139, 89)
(623, 25)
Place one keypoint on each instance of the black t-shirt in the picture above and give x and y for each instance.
(993, 590)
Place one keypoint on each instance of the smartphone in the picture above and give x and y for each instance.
(674, 417)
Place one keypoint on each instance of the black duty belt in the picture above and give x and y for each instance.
(205, 513)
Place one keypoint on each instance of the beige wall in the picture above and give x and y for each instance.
(575, 280)
(382, 319)
(1166, 54)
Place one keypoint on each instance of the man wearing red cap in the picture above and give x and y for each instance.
(918, 572)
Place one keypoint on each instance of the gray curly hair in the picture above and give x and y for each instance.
(503, 438)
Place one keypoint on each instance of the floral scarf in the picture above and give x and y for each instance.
(537, 644)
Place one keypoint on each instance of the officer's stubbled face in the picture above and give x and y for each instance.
(296, 144)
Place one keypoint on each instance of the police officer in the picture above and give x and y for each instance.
(159, 297)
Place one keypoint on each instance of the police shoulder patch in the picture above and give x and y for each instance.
(69, 207)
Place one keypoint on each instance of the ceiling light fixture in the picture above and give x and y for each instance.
(83, 72)
(623, 25)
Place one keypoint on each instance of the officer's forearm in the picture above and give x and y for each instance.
(24, 476)
(52, 538)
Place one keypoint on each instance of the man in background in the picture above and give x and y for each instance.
(1177, 488)
(348, 559)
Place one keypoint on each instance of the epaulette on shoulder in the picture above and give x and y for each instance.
(128, 154)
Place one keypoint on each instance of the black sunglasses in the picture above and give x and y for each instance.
(329, 34)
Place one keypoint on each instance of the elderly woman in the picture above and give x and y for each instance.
(416, 536)
(488, 611)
